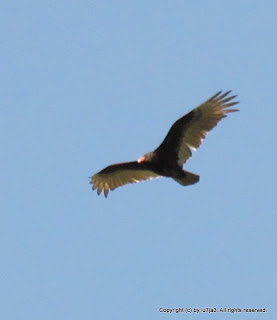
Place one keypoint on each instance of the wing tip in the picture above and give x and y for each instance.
(221, 101)
(231, 110)
(100, 186)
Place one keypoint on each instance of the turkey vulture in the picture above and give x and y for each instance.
(167, 160)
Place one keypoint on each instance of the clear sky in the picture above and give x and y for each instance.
(88, 83)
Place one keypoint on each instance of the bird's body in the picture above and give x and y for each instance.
(167, 160)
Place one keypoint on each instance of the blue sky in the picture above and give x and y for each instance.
(89, 83)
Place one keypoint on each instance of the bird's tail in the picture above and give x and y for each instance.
(187, 178)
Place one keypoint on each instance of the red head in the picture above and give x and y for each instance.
(146, 157)
(141, 159)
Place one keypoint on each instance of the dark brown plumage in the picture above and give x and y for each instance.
(167, 160)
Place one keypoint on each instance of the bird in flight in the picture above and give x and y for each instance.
(167, 160)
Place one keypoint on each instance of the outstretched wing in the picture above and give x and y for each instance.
(119, 174)
(188, 132)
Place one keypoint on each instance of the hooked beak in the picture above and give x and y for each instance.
(141, 159)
